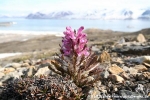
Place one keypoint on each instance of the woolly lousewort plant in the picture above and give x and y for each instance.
(74, 43)
(76, 60)
(43, 88)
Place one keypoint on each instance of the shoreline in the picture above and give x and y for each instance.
(5, 55)
(21, 32)
(8, 36)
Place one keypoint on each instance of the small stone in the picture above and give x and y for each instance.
(11, 76)
(141, 38)
(129, 95)
(144, 76)
(93, 94)
(105, 74)
(119, 60)
(115, 69)
(117, 78)
(38, 61)
(149, 94)
(148, 69)
(121, 41)
(14, 65)
(97, 84)
(140, 68)
(8, 70)
(133, 71)
(1, 75)
(1, 84)
(104, 57)
(31, 71)
(25, 65)
(115, 89)
(124, 75)
(95, 49)
(126, 69)
(43, 71)
(26, 61)
(146, 64)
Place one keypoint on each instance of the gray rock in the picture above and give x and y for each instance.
(121, 41)
(128, 95)
(125, 68)
(132, 48)
(94, 94)
(105, 74)
(95, 49)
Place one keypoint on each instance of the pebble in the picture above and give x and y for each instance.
(140, 68)
(115, 69)
(116, 78)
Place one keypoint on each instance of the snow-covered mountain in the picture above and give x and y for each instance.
(54, 15)
(124, 13)
(94, 14)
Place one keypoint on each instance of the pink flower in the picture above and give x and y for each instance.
(74, 43)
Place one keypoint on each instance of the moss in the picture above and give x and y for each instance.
(43, 88)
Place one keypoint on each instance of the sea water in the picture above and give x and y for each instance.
(58, 25)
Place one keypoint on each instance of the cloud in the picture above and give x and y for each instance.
(27, 6)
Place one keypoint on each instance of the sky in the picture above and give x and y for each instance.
(23, 7)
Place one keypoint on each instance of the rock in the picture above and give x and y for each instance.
(132, 48)
(140, 68)
(126, 69)
(11, 76)
(31, 71)
(95, 49)
(124, 75)
(148, 69)
(98, 83)
(105, 74)
(121, 41)
(26, 61)
(22, 70)
(115, 69)
(14, 65)
(116, 78)
(8, 70)
(140, 88)
(39, 61)
(25, 65)
(94, 94)
(133, 71)
(149, 94)
(141, 38)
(43, 71)
(104, 57)
(117, 60)
(1, 75)
(128, 95)
(146, 64)
(144, 76)
(141, 59)
(1, 84)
